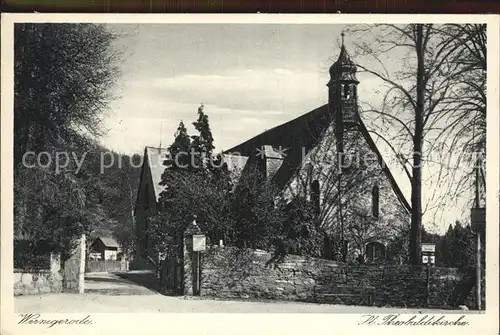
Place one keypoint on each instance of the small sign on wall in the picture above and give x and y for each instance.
(428, 247)
(428, 252)
(199, 243)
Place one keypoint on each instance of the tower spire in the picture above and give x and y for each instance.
(342, 34)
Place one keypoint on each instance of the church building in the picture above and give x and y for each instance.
(326, 155)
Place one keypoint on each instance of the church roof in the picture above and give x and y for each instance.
(307, 129)
(309, 126)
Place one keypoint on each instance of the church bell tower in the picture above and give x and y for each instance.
(343, 94)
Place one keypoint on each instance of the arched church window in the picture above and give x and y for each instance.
(146, 234)
(354, 92)
(375, 201)
(315, 195)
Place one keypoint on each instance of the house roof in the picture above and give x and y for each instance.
(155, 157)
(235, 162)
(235, 165)
(109, 242)
(274, 159)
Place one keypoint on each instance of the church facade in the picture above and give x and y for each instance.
(328, 156)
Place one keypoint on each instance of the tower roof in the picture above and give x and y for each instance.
(344, 68)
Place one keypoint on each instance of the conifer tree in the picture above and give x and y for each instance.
(202, 146)
(180, 149)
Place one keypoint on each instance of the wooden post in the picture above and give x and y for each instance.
(196, 277)
(477, 185)
(194, 268)
(191, 260)
(478, 254)
(478, 271)
(199, 273)
(428, 283)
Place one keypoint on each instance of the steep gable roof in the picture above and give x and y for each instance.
(109, 242)
(303, 133)
(151, 171)
(156, 158)
(153, 168)
(235, 162)
(309, 126)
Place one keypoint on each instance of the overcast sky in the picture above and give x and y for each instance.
(249, 77)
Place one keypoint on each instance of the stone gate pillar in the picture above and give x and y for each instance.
(74, 268)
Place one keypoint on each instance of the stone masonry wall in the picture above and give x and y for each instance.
(42, 281)
(54, 280)
(250, 274)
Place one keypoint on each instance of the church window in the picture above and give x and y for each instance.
(315, 195)
(375, 251)
(375, 201)
(146, 228)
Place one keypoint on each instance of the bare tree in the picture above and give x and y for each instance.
(465, 107)
(416, 107)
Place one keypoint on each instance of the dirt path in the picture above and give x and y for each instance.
(110, 284)
(156, 303)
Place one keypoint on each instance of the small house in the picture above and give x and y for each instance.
(105, 248)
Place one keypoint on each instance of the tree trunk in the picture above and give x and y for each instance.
(416, 190)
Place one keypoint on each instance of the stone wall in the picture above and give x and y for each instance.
(41, 281)
(54, 279)
(236, 273)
